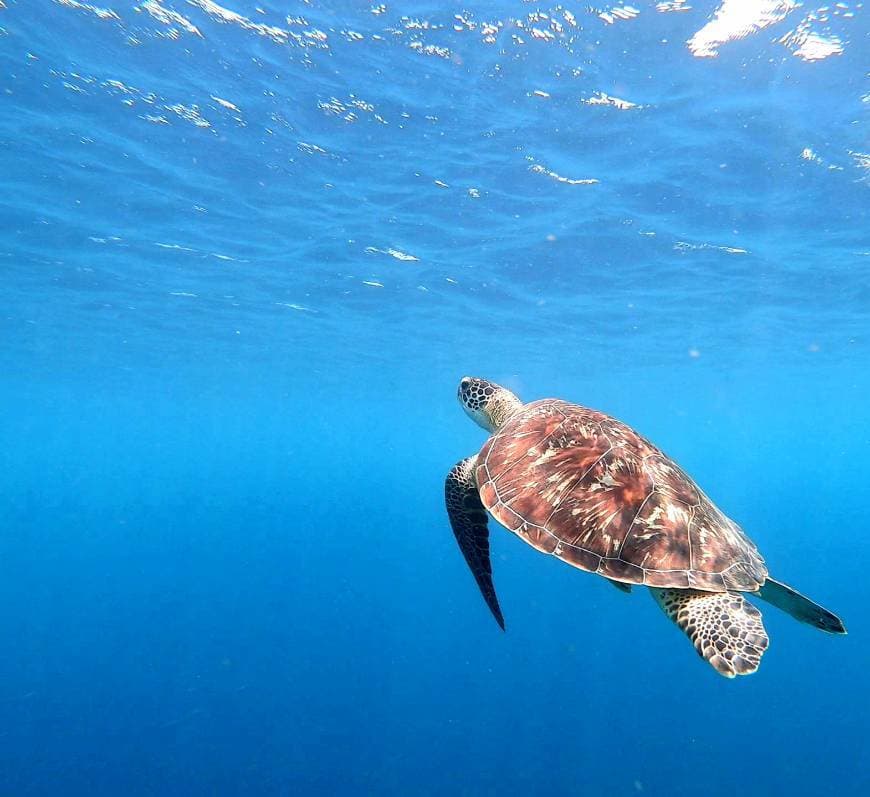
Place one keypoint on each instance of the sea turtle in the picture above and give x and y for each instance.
(586, 488)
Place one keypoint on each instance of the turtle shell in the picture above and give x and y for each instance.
(588, 489)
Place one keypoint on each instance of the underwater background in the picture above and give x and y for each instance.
(247, 252)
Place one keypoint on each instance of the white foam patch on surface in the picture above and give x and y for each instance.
(672, 5)
(178, 247)
(430, 49)
(815, 47)
(737, 19)
(616, 13)
(129, 94)
(101, 13)
(861, 160)
(350, 109)
(169, 17)
(189, 114)
(600, 98)
(396, 253)
(232, 18)
(311, 149)
(811, 156)
(685, 246)
(226, 104)
(538, 168)
(808, 42)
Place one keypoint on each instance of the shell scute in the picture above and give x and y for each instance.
(620, 570)
(594, 504)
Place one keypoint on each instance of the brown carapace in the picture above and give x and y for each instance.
(588, 489)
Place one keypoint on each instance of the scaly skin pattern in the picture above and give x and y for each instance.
(588, 489)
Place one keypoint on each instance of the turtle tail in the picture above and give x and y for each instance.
(801, 608)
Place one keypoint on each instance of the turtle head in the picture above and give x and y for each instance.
(488, 404)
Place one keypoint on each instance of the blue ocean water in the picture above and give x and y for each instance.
(247, 252)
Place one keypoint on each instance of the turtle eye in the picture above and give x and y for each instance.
(463, 385)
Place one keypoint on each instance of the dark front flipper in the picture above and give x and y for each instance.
(784, 597)
(468, 519)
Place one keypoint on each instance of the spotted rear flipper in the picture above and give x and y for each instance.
(468, 519)
(724, 627)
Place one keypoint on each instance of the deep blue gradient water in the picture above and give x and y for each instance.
(247, 252)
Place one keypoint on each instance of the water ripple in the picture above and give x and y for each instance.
(204, 181)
